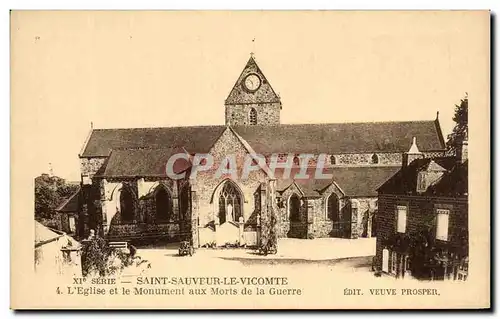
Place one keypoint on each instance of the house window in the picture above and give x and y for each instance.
(332, 208)
(294, 208)
(72, 227)
(253, 116)
(163, 204)
(442, 224)
(296, 161)
(126, 205)
(421, 182)
(401, 212)
(374, 159)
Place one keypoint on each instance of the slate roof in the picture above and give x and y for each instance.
(44, 234)
(70, 204)
(196, 139)
(336, 138)
(453, 182)
(369, 137)
(142, 162)
(361, 181)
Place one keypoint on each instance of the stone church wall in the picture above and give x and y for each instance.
(348, 159)
(89, 166)
(144, 222)
(239, 114)
(366, 209)
(206, 183)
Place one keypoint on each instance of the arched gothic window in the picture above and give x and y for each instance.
(229, 203)
(333, 161)
(332, 208)
(253, 116)
(374, 159)
(126, 205)
(163, 204)
(294, 208)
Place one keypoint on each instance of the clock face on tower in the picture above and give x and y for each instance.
(252, 82)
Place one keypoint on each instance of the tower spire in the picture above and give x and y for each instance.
(51, 170)
(252, 53)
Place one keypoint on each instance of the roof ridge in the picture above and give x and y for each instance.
(358, 122)
(159, 127)
(66, 201)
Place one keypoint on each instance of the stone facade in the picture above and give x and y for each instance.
(208, 184)
(358, 159)
(243, 100)
(421, 216)
(90, 166)
(365, 209)
(355, 219)
(239, 114)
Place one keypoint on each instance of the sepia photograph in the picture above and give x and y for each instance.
(250, 159)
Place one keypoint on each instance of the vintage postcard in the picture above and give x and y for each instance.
(250, 159)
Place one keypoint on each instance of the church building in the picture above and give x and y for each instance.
(127, 194)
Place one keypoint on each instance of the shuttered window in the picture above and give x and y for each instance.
(401, 212)
(442, 224)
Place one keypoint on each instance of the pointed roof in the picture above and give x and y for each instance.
(195, 139)
(345, 178)
(453, 182)
(264, 94)
(414, 148)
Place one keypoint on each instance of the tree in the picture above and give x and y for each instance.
(50, 192)
(461, 129)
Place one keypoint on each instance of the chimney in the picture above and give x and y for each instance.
(412, 154)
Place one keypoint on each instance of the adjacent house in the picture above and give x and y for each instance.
(56, 253)
(68, 215)
(423, 218)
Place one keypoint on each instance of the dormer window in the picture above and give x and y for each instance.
(421, 182)
(428, 176)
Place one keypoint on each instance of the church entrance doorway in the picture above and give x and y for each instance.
(229, 203)
(229, 210)
(298, 226)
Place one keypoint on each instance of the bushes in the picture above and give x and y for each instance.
(99, 258)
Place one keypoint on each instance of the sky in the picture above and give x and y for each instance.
(147, 69)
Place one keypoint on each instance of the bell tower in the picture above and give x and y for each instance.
(252, 101)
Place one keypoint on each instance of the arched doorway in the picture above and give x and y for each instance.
(294, 208)
(298, 224)
(163, 203)
(126, 205)
(229, 200)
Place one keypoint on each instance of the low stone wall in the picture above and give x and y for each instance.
(135, 231)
